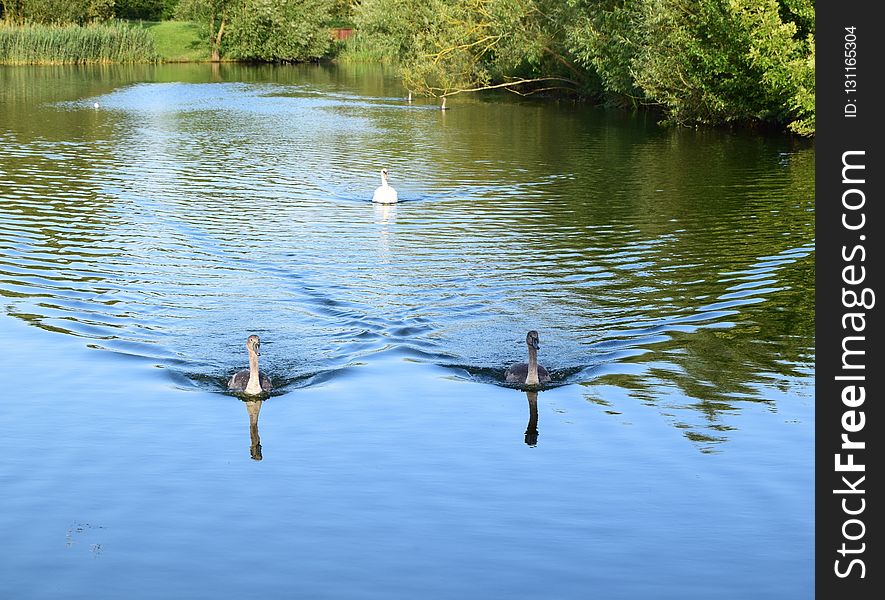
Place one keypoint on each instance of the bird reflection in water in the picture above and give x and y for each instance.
(254, 407)
(531, 430)
(385, 216)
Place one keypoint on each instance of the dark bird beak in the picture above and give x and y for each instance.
(536, 344)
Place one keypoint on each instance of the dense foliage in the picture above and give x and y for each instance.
(715, 61)
(212, 15)
(266, 30)
(148, 10)
(445, 47)
(57, 11)
(279, 30)
(84, 11)
(703, 61)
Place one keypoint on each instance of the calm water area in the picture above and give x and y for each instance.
(669, 273)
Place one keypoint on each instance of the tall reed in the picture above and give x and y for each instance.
(114, 42)
(359, 49)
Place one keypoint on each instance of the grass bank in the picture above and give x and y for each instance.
(116, 42)
(178, 41)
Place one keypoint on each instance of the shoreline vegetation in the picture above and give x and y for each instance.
(743, 63)
(40, 44)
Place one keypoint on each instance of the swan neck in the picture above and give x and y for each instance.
(532, 375)
(254, 384)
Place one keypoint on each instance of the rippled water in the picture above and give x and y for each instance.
(669, 273)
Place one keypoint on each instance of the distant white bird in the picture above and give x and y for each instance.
(410, 96)
(384, 194)
(443, 107)
(96, 105)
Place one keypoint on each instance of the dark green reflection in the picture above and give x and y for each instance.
(202, 201)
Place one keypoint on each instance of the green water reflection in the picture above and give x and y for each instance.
(198, 202)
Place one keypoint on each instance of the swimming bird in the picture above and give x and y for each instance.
(530, 373)
(384, 194)
(251, 380)
(443, 105)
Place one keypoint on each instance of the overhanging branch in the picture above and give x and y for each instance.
(506, 85)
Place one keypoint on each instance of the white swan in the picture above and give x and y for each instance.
(531, 373)
(384, 194)
(251, 381)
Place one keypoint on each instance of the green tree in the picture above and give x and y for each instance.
(605, 36)
(722, 61)
(148, 10)
(781, 47)
(280, 30)
(702, 61)
(212, 15)
(342, 12)
(445, 47)
(58, 11)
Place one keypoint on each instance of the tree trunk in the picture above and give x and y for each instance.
(216, 43)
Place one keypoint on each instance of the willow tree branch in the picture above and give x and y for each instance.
(442, 53)
(506, 85)
(539, 90)
(562, 60)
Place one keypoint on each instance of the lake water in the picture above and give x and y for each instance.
(669, 273)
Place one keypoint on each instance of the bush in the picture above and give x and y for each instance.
(703, 61)
(279, 30)
(722, 61)
(443, 46)
(57, 11)
(145, 10)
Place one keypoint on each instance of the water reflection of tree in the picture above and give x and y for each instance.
(674, 220)
(658, 220)
(628, 210)
(55, 199)
(718, 370)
